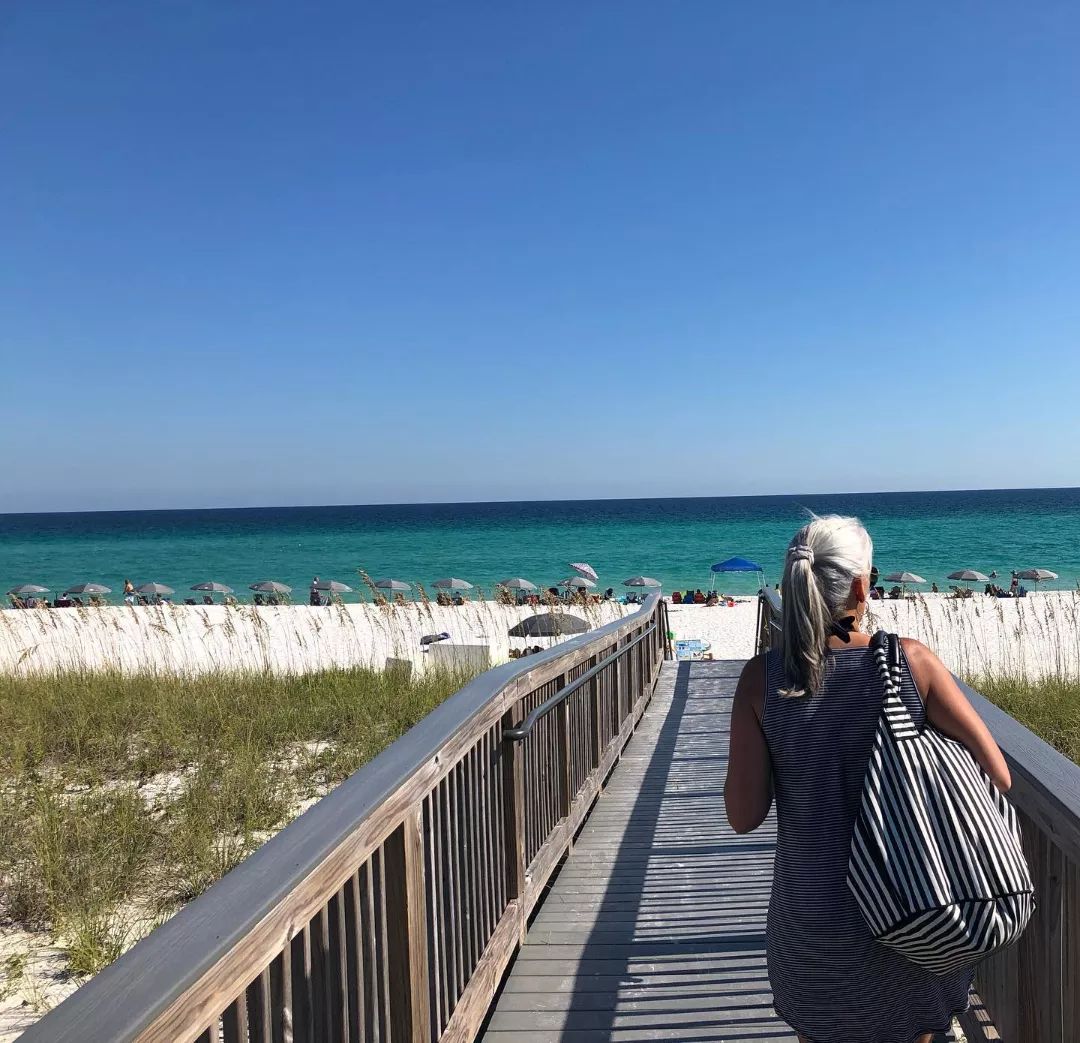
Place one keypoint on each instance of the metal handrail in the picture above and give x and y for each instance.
(522, 730)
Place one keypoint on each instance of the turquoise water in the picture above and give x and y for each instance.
(674, 540)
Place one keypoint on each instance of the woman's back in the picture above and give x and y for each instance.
(830, 979)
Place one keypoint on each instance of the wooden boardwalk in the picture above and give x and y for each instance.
(654, 927)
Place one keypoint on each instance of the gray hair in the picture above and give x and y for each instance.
(823, 559)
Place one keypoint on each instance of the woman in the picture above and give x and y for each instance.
(802, 726)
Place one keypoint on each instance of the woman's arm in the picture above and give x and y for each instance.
(748, 788)
(949, 711)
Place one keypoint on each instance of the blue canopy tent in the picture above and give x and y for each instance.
(737, 565)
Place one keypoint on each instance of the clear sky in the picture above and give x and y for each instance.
(273, 253)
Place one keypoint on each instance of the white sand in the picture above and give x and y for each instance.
(290, 639)
(1026, 637)
(730, 631)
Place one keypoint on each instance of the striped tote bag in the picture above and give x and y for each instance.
(936, 864)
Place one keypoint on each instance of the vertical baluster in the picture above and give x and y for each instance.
(405, 923)
(281, 1023)
(302, 992)
(562, 753)
(354, 960)
(234, 1021)
(338, 976)
(449, 909)
(513, 787)
(434, 922)
(257, 997)
(382, 947)
(368, 928)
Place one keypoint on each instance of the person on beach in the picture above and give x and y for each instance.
(129, 592)
(802, 727)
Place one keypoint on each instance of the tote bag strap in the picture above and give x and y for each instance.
(886, 651)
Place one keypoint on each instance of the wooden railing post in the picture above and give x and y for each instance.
(513, 768)
(563, 745)
(597, 736)
(407, 940)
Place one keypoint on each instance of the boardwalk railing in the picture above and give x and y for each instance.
(389, 911)
(1031, 992)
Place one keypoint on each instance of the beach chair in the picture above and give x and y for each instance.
(190, 601)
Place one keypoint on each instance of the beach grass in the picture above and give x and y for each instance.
(1048, 706)
(125, 796)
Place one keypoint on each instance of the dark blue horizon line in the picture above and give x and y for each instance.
(486, 503)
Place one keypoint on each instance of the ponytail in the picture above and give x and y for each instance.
(822, 561)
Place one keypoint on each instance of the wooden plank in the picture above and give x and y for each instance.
(655, 925)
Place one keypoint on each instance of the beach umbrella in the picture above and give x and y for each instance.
(396, 585)
(517, 583)
(451, 583)
(737, 565)
(549, 624)
(903, 578)
(269, 586)
(578, 583)
(583, 569)
(969, 576)
(213, 588)
(1035, 575)
(28, 588)
(89, 588)
(333, 586)
(641, 581)
(154, 588)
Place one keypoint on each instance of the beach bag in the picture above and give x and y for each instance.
(936, 866)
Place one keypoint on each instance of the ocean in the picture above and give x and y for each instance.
(674, 540)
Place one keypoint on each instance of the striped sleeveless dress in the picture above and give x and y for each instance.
(831, 981)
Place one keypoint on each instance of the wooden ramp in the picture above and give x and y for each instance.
(654, 927)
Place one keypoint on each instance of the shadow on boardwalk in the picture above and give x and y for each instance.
(654, 928)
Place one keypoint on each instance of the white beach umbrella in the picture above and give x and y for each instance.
(641, 581)
(269, 586)
(578, 583)
(398, 586)
(451, 583)
(969, 576)
(584, 569)
(1035, 575)
(89, 588)
(210, 587)
(333, 586)
(903, 577)
(28, 588)
(517, 583)
(154, 588)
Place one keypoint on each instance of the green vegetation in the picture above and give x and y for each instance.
(126, 796)
(1050, 707)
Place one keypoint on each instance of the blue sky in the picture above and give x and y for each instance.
(269, 253)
